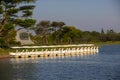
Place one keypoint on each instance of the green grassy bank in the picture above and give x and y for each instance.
(107, 43)
(4, 51)
(4, 54)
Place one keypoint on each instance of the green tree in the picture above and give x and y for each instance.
(57, 25)
(95, 36)
(111, 35)
(42, 28)
(8, 34)
(102, 31)
(67, 35)
(26, 23)
(103, 36)
(86, 37)
(10, 12)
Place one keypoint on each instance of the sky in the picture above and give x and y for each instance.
(86, 15)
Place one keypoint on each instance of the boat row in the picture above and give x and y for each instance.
(54, 52)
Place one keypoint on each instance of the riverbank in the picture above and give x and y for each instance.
(4, 53)
(4, 57)
(107, 43)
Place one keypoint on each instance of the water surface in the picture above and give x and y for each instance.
(104, 65)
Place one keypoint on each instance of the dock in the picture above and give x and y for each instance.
(53, 51)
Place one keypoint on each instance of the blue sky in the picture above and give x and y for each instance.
(84, 14)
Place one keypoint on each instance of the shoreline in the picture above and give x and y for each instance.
(5, 53)
(2, 57)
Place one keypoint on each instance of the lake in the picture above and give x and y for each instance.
(104, 65)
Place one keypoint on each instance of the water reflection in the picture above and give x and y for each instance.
(35, 59)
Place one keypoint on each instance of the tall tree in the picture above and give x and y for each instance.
(15, 12)
(43, 27)
(68, 35)
(102, 31)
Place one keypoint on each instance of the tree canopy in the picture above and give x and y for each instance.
(12, 13)
(71, 35)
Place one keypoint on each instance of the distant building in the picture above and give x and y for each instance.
(23, 36)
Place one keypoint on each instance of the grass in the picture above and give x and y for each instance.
(4, 51)
(107, 43)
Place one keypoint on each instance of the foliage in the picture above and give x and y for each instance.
(72, 35)
(25, 23)
(58, 25)
(8, 34)
(12, 13)
(47, 27)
